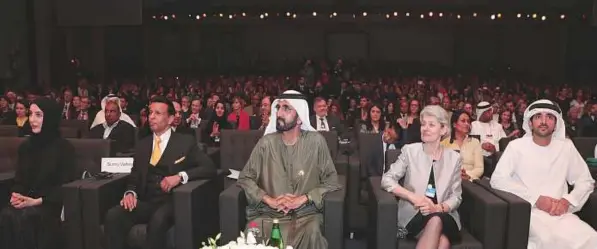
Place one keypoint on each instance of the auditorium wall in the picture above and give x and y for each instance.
(540, 49)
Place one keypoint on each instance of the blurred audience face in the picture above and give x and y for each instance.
(414, 107)
(84, 103)
(463, 125)
(506, 116)
(321, 108)
(185, 103)
(389, 135)
(211, 102)
(375, 114)
(36, 119)
(255, 100)
(404, 106)
(510, 106)
(434, 100)
(196, 106)
(266, 105)
(390, 107)
(573, 114)
(68, 96)
(76, 101)
(363, 103)
(468, 108)
(159, 118)
(431, 129)
(20, 110)
(177, 114)
(593, 110)
(3, 103)
(237, 104)
(31, 97)
(486, 116)
(112, 113)
(220, 109)
(123, 103)
(12, 97)
(446, 104)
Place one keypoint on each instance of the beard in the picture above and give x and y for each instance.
(282, 125)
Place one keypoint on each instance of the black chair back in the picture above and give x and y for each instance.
(236, 147)
(9, 131)
(89, 153)
(70, 132)
(391, 157)
(585, 146)
(9, 147)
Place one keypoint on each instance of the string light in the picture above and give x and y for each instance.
(365, 14)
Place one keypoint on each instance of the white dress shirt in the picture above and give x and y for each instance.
(490, 132)
(108, 129)
(322, 123)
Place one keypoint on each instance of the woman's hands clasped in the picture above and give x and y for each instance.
(424, 205)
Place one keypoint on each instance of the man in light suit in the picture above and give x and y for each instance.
(162, 162)
(322, 121)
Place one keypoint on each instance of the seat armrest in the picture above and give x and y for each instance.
(589, 211)
(383, 216)
(195, 215)
(97, 198)
(484, 215)
(334, 206)
(518, 219)
(73, 217)
(125, 154)
(233, 216)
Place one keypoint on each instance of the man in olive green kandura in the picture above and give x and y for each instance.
(289, 172)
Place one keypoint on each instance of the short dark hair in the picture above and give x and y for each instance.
(163, 100)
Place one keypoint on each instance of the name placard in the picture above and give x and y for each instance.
(117, 164)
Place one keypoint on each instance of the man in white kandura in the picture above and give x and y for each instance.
(538, 168)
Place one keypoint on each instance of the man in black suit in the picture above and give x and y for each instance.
(377, 158)
(121, 133)
(587, 125)
(322, 121)
(177, 125)
(162, 161)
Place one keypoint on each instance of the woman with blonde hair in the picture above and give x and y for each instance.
(430, 192)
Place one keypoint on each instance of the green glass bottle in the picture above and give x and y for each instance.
(275, 239)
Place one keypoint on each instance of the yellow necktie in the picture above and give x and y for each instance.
(157, 152)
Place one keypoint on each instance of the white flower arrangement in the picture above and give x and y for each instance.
(242, 242)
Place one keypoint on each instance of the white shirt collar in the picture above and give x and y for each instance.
(164, 138)
(106, 126)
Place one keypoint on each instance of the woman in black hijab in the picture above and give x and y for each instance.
(45, 162)
(216, 124)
